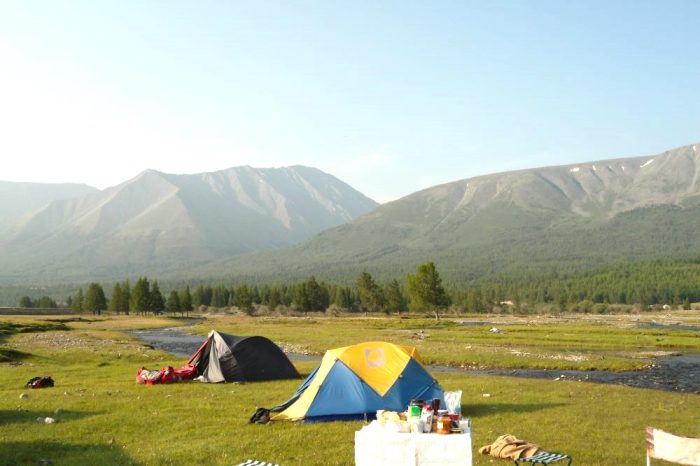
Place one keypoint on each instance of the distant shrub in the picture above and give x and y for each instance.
(600, 308)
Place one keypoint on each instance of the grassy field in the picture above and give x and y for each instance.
(560, 342)
(107, 419)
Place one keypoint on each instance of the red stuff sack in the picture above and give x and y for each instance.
(186, 372)
(168, 375)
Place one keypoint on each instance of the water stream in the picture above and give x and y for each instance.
(679, 373)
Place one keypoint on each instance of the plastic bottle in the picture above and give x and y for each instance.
(427, 418)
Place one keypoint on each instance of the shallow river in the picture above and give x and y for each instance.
(672, 373)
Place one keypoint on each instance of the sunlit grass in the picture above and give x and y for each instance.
(528, 345)
(108, 419)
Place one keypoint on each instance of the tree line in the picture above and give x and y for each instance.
(142, 298)
(424, 291)
(676, 283)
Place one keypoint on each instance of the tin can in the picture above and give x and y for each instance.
(415, 408)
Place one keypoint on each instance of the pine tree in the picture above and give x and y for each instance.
(219, 296)
(116, 298)
(95, 300)
(301, 300)
(140, 296)
(275, 299)
(426, 290)
(156, 301)
(244, 300)
(26, 301)
(186, 300)
(395, 300)
(317, 295)
(371, 296)
(344, 298)
(173, 303)
(125, 297)
(78, 300)
(197, 296)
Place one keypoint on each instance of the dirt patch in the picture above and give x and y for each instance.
(553, 357)
(68, 340)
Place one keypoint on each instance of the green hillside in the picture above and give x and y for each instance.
(500, 242)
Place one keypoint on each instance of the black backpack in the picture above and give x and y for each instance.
(40, 382)
(261, 416)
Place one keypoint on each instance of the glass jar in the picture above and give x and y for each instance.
(444, 424)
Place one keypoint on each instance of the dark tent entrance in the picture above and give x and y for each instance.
(230, 358)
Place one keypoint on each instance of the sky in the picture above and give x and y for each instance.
(389, 96)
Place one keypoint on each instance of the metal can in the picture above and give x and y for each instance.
(415, 408)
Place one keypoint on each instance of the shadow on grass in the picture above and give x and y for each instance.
(474, 411)
(30, 417)
(10, 355)
(54, 453)
(7, 329)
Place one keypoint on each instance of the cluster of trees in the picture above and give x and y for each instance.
(142, 298)
(45, 302)
(424, 292)
(675, 283)
(309, 295)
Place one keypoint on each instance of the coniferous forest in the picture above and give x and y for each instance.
(619, 287)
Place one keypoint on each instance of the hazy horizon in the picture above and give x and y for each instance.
(389, 100)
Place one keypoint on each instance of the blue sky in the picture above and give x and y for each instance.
(391, 97)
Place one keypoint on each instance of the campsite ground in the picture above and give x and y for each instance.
(107, 419)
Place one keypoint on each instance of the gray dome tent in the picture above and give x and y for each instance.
(230, 358)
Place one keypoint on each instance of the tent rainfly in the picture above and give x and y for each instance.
(354, 382)
(230, 358)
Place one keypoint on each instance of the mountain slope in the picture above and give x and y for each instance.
(538, 219)
(18, 200)
(158, 221)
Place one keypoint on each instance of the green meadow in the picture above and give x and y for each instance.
(105, 418)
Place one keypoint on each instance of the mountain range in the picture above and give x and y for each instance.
(162, 222)
(534, 221)
(264, 224)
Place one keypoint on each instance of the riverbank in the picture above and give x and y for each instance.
(669, 371)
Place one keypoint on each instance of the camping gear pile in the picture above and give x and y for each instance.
(425, 417)
(165, 375)
(375, 445)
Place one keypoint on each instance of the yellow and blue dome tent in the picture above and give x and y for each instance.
(354, 382)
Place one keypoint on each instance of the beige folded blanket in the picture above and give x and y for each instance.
(509, 447)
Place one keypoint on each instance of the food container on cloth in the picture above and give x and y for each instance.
(444, 424)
